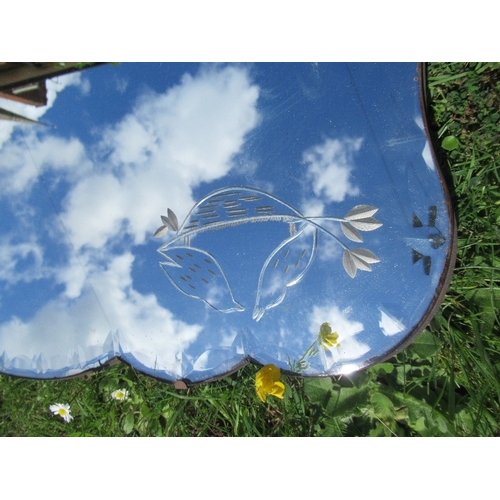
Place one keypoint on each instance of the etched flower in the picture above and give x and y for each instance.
(267, 382)
(326, 337)
(61, 410)
(120, 394)
(169, 222)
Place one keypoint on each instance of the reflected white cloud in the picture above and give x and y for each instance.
(312, 207)
(427, 156)
(20, 261)
(345, 328)
(389, 324)
(85, 86)
(80, 277)
(329, 167)
(121, 84)
(63, 326)
(426, 152)
(25, 158)
(329, 249)
(182, 138)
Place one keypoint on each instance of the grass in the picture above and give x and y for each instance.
(447, 383)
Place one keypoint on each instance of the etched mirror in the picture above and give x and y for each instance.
(189, 219)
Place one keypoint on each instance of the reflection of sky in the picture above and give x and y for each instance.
(80, 279)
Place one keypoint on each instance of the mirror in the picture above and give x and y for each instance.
(190, 218)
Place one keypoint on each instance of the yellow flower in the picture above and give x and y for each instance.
(326, 337)
(267, 382)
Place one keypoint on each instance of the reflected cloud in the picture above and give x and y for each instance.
(25, 158)
(121, 84)
(80, 275)
(345, 328)
(329, 167)
(20, 261)
(181, 138)
(389, 324)
(111, 300)
(426, 152)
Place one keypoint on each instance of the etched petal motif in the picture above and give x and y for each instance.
(367, 224)
(365, 255)
(161, 231)
(360, 212)
(351, 233)
(172, 218)
(169, 222)
(198, 275)
(359, 258)
(359, 218)
(284, 268)
(349, 265)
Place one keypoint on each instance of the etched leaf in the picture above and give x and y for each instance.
(359, 258)
(173, 219)
(349, 265)
(351, 233)
(365, 255)
(167, 222)
(361, 212)
(198, 275)
(368, 224)
(285, 267)
(161, 231)
(360, 263)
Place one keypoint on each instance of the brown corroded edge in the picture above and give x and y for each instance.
(447, 273)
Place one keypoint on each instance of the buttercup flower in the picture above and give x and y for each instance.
(120, 394)
(62, 411)
(267, 382)
(326, 337)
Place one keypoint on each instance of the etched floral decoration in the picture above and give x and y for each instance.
(267, 382)
(196, 273)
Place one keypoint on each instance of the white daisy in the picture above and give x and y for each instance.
(61, 410)
(120, 394)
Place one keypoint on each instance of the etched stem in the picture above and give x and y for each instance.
(261, 218)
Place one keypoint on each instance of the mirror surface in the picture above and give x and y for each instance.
(188, 218)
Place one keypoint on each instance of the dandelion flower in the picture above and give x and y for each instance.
(267, 382)
(120, 394)
(326, 337)
(61, 410)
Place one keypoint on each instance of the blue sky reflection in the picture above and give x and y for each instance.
(80, 275)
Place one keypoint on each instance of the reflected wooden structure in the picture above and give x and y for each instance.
(25, 82)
